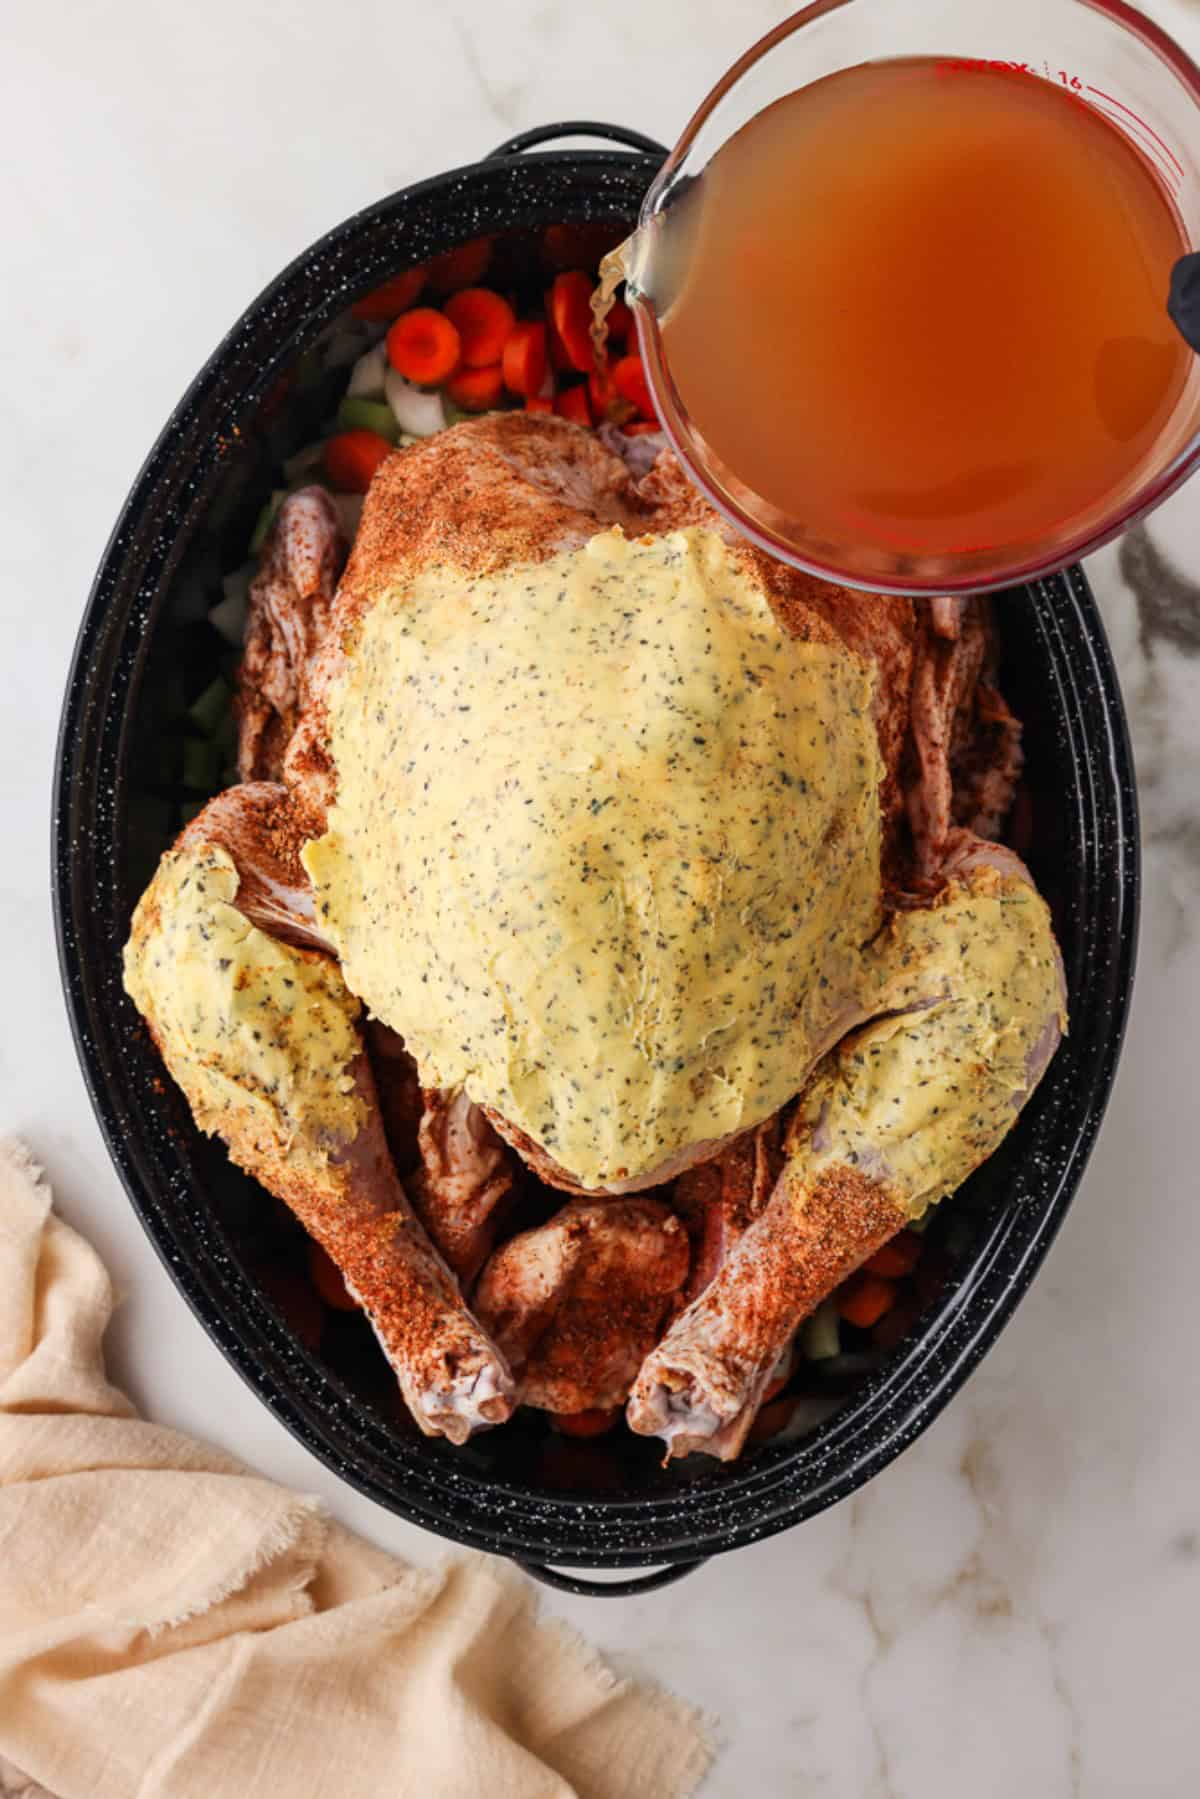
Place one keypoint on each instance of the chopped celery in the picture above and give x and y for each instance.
(201, 764)
(455, 414)
(820, 1339)
(356, 414)
(266, 519)
(212, 706)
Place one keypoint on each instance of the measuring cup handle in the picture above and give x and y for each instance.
(612, 134)
(1183, 302)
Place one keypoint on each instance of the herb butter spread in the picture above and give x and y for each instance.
(919, 1099)
(260, 1036)
(606, 842)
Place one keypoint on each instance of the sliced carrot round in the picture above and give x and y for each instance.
(460, 267)
(570, 306)
(592, 1423)
(524, 360)
(352, 457)
(556, 353)
(391, 298)
(639, 427)
(327, 1279)
(484, 321)
(864, 1300)
(423, 346)
(476, 389)
(629, 379)
(539, 403)
(897, 1258)
(572, 404)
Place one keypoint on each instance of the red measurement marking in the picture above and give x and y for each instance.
(1148, 147)
(1113, 101)
(980, 65)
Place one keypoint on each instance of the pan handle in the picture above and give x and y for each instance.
(611, 134)
(609, 1589)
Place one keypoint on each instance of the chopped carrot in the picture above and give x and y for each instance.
(895, 1325)
(484, 322)
(460, 267)
(390, 298)
(524, 360)
(352, 457)
(629, 379)
(771, 1419)
(423, 346)
(570, 306)
(620, 321)
(639, 427)
(327, 1279)
(556, 353)
(592, 1423)
(864, 1300)
(539, 403)
(572, 404)
(897, 1258)
(605, 401)
(476, 389)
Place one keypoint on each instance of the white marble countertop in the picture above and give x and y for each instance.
(1010, 1608)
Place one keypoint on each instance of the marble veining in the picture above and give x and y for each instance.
(1010, 1609)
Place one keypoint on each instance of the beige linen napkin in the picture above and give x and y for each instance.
(172, 1624)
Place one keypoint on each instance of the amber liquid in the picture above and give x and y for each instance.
(923, 308)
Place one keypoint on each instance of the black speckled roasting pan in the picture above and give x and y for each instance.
(523, 1492)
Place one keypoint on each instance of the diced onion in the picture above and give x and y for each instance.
(418, 413)
(228, 616)
(367, 376)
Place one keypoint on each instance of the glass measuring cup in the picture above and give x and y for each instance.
(1111, 59)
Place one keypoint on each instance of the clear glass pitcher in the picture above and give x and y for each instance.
(1112, 59)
